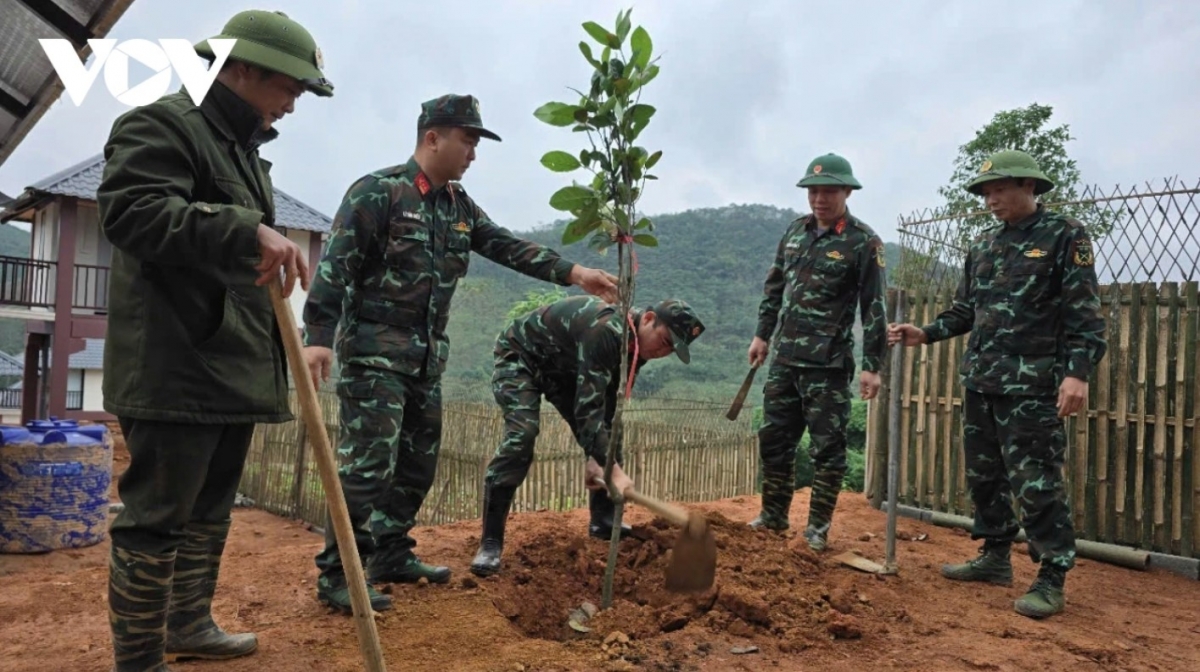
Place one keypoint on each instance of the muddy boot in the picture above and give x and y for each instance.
(139, 592)
(1045, 596)
(333, 592)
(776, 503)
(992, 566)
(816, 539)
(496, 503)
(384, 569)
(602, 509)
(191, 632)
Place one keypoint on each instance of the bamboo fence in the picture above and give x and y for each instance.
(1131, 471)
(678, 450)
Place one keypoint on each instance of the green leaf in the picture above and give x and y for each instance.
(642, 223)
(577, 229)
(586, 49)
(653, 159)
(622, 219)
(572, 198)
(651, 177)
(642, 47)
(585, 158)
(556, 114)
(600, 242)
(601, 35)
(605, 55)
(560, 161)
(640, 116)
(623, 26)
(645, 239)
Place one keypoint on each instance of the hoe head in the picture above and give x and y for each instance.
(693, 563)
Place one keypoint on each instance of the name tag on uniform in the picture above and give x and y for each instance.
(408, 214)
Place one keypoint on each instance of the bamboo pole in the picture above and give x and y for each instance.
(1163, 339)
(1122, 366)
(364, 621)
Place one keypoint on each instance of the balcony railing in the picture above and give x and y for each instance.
(31, 283)
(12, 398)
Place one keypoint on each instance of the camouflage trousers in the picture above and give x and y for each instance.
(1014, 449)
(518, 392)
(391, 431)
(796, 399)
(167, 542)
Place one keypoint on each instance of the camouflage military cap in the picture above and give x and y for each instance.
(1010, 163)
(683, 323)
(453, 110)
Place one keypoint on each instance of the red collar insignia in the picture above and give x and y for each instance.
(841, 226)
(423, 184)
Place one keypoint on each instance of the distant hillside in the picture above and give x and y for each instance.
(716, 259)
(14, 242)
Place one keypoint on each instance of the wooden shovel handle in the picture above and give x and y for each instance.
(310, 411)
(674, 514)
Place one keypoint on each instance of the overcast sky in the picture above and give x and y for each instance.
(750, 91)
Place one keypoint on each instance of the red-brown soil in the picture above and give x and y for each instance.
(801, 611)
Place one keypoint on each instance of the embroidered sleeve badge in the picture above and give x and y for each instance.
(1083, 253)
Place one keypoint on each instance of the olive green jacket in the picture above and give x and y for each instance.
(190, 338)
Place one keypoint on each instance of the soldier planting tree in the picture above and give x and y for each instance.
(1030, 300)
(401, 240)
(827, 264)
(194, 356)
(570, 351)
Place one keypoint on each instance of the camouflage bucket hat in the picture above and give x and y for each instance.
(1010, 163)
(453, 110)
(829, 170)
(275, 42)
(683, 323)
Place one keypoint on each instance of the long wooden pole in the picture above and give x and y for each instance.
(310, 410)
(893, 434)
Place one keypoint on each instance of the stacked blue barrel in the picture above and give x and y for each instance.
(54, 484)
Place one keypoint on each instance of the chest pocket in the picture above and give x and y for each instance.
(235, 192)
(406, 246)
(831, 269)
(458, 252)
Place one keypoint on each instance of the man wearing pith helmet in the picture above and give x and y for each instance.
(828, 264)
(194, 357)
(1030, 300)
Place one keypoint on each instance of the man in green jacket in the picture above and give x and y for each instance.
(194, 357)
(401, 240)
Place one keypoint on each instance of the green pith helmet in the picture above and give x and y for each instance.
(1010, 163)
(275, 42)
(829, 170)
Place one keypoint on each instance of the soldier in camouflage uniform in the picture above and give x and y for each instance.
(570, 351)
(194, 356)
(1030, 299)
(827, 263)
(401, 241)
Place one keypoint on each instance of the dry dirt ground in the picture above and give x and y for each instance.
(802, 612)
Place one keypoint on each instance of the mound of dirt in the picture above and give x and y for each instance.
(770, 591)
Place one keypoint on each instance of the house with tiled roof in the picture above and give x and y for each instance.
(65, 305)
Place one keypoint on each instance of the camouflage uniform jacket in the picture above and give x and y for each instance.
(395, 255)
(572, 348)
(1030, 298)
(813, 286)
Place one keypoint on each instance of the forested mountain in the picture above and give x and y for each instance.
(716, 259)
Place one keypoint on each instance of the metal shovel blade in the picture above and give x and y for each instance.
(693, 563)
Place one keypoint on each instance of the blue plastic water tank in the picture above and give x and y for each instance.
(54, 481)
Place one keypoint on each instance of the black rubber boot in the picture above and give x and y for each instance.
(993, 565)
(602, 509)
(497, 500)
(139, 591)
(191, 632)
